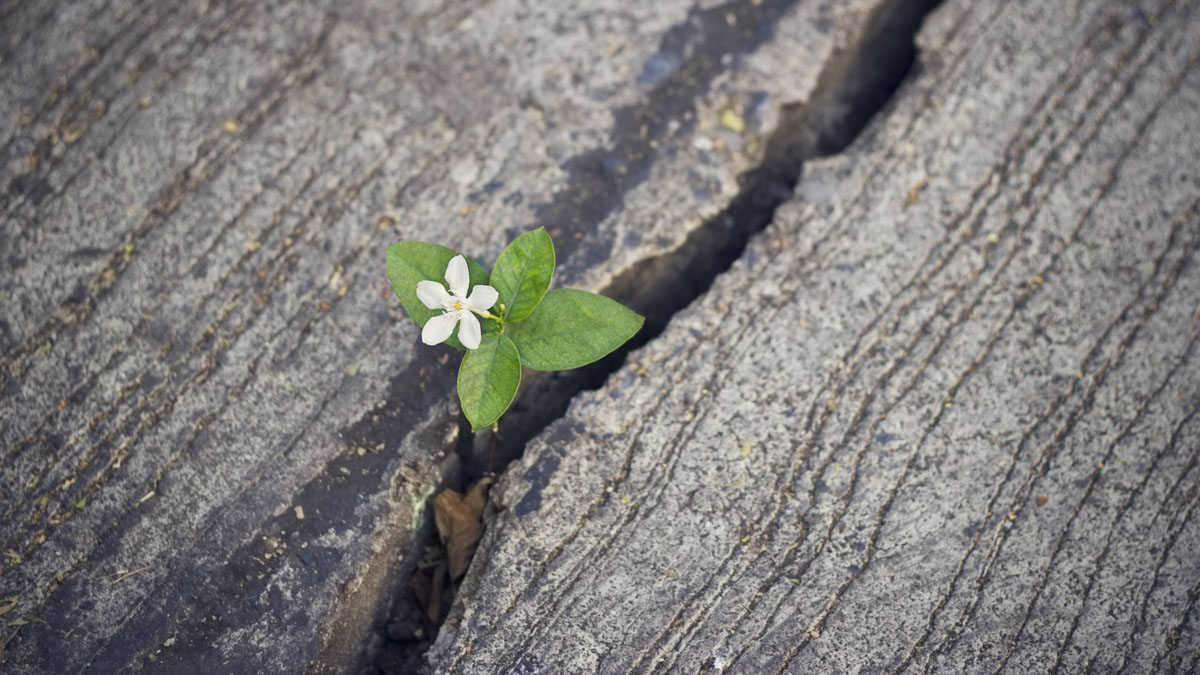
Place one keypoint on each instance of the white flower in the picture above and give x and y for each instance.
(457, 304)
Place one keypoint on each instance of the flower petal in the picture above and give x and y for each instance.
(482, 298)
(468, 331)
(439, 328)
(432, 294)
(458, 276)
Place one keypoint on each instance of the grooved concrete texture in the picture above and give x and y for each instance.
(197, 339)
(941, 415)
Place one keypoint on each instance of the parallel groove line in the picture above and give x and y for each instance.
(144, 321)
(591, 556)
(213, 172)
(76, 69)
(956, 632)
(1052, 409)
(1192, 593)
(284, 257)
(1094, 478)
(1098, 377)
(787, 558)
(614, 531)
(1168, 448)
(579, 526)
(132, 111)
(41, 156)
(853, 428)
(239, 261)
(136, 385)
(200, 535)
(1172, 534)
(818, 623)
(331, 214)
(1177, 630)
(599, 502)
(786, 561)
(1046, 415)
(198, 428)
(1093, 204)
(932, 264)
(1169, 499)
(139, 329)
(212, 156)
(153, 483)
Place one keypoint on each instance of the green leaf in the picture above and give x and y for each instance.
(572, 328)
(488, 379)
(522, 273)
(411, 261)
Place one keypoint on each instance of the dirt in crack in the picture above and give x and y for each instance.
(852, 88)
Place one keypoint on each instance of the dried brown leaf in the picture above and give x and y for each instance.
(427, 585)
(458, 520)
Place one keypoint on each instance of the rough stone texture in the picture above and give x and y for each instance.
(941, 415)
(196, 335)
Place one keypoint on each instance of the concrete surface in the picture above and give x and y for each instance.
(218, 431)
(940, 416)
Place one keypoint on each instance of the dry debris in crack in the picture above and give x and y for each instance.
(459, 521)
(428, 583)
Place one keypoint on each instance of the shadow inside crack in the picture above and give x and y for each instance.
(852, 89)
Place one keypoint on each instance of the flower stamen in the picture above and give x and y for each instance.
(458, 306)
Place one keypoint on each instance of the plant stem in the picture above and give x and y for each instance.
(492, 447)
(488, 315)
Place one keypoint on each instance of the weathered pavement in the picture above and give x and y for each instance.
(941, 414)
(218, 432)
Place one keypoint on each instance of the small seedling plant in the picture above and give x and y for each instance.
(504, 320)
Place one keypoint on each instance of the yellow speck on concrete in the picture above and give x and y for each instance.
(731, 120)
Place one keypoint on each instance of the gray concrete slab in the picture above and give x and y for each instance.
(197, 340)
(940, 416)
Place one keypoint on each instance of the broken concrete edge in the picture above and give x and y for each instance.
(365, 603)
(805, 134)
(856, 85)
(346, 608)
(547, 460)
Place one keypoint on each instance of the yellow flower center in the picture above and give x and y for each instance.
(458, 305)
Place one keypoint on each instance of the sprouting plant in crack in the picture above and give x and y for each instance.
(504, 320)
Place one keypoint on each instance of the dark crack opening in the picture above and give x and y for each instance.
(856, 85)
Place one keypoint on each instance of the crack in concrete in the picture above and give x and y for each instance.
(853, 87)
